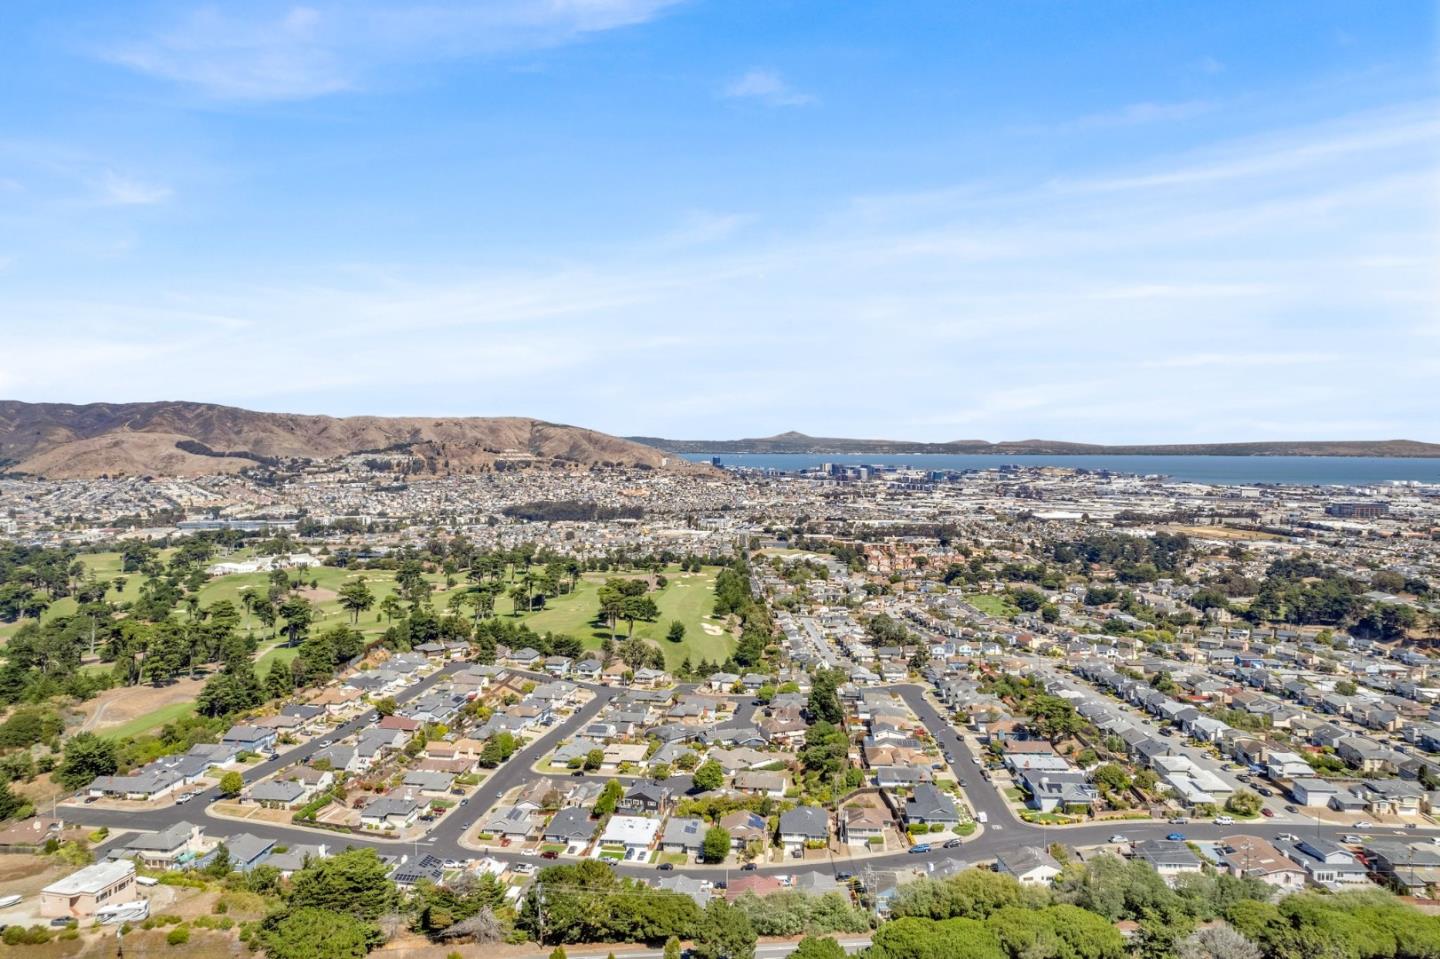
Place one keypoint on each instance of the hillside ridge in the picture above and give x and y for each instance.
(182, 438)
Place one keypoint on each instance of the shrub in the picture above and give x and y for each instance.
(178, 936)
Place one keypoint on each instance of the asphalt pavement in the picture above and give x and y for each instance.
(1003, 833)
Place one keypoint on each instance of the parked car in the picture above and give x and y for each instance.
(1117, 838)
(1178, 821)
(551, 854)
(1291, 808)
(1364, 824)
(1176, 837)
(953, 843)
(529, 852)
(749, 867)
(1267, 812)
(1224, 820)
(325, 743)
(1265, 791)
(1287, 837)
(663, 867)
(920, 847)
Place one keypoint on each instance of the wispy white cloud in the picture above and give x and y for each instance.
(999, 310)
(701, 227)
(266, 51)
(114, 189)
(767, 87)
(1137, 114)
(1241, 359)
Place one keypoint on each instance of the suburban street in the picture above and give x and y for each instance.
(1004, 833)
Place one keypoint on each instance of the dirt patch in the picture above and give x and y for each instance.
(1223, 532)
(116, 707)
(27, 874)
(317, 595)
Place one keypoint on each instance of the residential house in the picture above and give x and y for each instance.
(1030, 865)
(646, 798)
(928, 805)
(1255, 858)
(1167, 857)
(1327, 863)
(571, 827)
(167, 848)
(82, 893)
(636, 834)
(683, 834)
(802, 825)
(391, 812)
(745, 827)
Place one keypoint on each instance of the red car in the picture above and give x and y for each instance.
(1267, 812)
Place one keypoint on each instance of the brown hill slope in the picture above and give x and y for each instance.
(187, 439)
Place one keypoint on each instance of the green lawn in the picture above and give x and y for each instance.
(687, 597)
(153, 720)
(992, 605)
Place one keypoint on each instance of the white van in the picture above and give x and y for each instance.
(982, 816)
(147, 880)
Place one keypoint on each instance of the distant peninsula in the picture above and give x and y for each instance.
(822, 445)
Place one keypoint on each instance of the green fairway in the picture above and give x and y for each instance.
(151, 720)
(688, 597)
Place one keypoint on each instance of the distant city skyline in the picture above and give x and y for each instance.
(1105, 222)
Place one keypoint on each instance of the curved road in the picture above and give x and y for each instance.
(1003, 834)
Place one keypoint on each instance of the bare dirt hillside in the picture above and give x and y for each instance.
(189, 439)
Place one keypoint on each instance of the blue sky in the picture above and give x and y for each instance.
(1099, 221)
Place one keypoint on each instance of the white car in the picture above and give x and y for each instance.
(529, 852)
(1364, 824)
(1224, 821)
(975, 760)
(1117, 838)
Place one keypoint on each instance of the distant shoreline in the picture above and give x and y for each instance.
(1213, 469)
(799, 445)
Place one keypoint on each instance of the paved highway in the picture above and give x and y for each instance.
(1003, 833)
